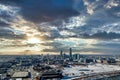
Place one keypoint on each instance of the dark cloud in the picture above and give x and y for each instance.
(45, 10)
(49, 50)
(87, 19)
(108, 45)
(55, 44)
(4, 19)
(9, 34)
(102, 35)
(2, 24)
(100, 48)
(55, 47)
(7, 15)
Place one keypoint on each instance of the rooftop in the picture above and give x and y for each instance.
(20, 74)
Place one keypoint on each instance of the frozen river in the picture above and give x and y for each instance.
(77, 71)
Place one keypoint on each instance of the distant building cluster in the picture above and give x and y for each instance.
(43, 67)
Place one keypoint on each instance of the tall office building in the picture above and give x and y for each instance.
(70, 54)
(61, 54)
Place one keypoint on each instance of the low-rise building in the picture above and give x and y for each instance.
(21, 75)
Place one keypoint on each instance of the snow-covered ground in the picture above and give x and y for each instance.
(77, 71)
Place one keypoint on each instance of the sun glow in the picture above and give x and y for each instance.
(33, 40)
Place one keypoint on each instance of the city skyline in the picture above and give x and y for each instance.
(49, 26)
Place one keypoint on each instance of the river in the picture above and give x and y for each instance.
(111, 78)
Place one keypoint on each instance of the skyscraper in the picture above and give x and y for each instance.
(70, 54)
(61, 53)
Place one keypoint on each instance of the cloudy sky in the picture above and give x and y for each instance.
(48, 26)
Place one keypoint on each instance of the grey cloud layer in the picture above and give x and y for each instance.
(9, 34)
(102, 35)
(87, 19)
(44, 10)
